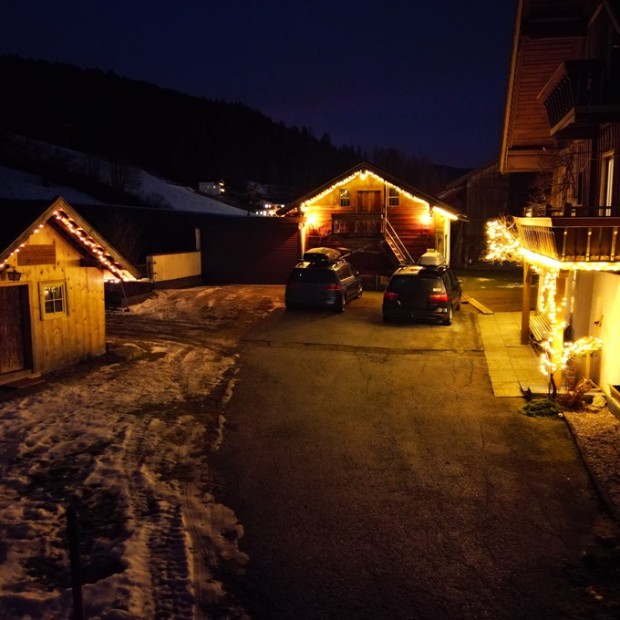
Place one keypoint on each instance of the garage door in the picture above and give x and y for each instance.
(253, 250)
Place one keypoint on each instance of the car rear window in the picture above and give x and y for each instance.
(313, 276)
(417, 284)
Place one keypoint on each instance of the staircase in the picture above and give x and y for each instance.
(396, 245)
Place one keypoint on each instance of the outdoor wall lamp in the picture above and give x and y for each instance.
(14, 275)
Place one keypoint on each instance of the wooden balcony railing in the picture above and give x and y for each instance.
(569, 210)
(579, 96)
(358, 224)
(572, 239)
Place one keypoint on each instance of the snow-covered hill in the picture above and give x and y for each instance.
(19, 185)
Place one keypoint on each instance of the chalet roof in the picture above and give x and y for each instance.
(23, 219)
(432, 200)
(546, 33)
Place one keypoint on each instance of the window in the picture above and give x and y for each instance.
(53, 299)
(393, 197)
(607, 179)
(345, 198)
(578, 190)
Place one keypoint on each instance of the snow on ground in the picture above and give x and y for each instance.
(20, 185)
(126, 441)
(160, 192)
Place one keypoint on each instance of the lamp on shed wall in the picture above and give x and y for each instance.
(14, 275)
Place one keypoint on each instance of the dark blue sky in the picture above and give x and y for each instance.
(425, 76)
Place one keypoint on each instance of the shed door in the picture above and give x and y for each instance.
(13, 328)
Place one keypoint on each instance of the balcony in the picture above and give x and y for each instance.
(358, 224)
(579, 97)
(572, 239)
(569, 210)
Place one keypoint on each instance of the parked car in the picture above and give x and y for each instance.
(323, 279)
(422, 292)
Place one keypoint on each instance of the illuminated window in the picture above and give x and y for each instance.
(345, 198)
(607, 179)
(53, 299)
(393, 197)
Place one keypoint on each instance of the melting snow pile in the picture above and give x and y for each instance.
(127, 444)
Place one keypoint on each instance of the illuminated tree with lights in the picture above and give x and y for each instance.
(502, 241)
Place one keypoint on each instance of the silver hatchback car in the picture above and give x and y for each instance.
(323, 279)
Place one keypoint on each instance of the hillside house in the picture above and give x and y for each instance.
(52, 270)
(562, 121)
(383, 221)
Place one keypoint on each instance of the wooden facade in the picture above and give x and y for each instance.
(52, 310)
(566, 72)
(383, 220)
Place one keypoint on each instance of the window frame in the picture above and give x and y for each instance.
(607, 179)
(393, 197)
(54, 301)
(344, 197)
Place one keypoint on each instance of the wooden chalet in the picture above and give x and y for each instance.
(562, 121)
(52, 270)
(384, 222)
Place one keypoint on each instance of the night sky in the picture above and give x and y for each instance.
(426, 77)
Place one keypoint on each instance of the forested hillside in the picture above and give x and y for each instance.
(184, 138)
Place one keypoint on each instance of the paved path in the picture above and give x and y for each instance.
(514, 367)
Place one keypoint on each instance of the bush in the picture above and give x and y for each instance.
(541, 408)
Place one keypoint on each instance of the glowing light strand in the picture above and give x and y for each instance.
(376, 177)
(105, 259)
(502, 241)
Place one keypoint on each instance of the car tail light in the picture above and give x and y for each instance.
(438, 297)
(331, 287)
(391, 296)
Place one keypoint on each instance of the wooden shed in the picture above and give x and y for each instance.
(52, 270)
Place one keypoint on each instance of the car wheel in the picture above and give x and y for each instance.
(448, 319)
(458, 305)
(340, 304)
(386, 319)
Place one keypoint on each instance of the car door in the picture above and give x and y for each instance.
(344, 276)
(453, 287)
(348, 280)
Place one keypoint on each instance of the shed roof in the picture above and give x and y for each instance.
(23, 219)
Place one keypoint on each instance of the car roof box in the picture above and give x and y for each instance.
(432, 258)
(321, 255)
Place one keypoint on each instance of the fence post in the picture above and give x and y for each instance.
(74, 559)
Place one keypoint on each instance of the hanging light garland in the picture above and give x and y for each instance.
(97, 250)
(363, 174)
(551, 359)
(85, 239)
(6, 264)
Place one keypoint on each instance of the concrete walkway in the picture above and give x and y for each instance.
(514, 367)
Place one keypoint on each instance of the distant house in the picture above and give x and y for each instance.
(562, 122)
(384, 221)
(52, 270)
